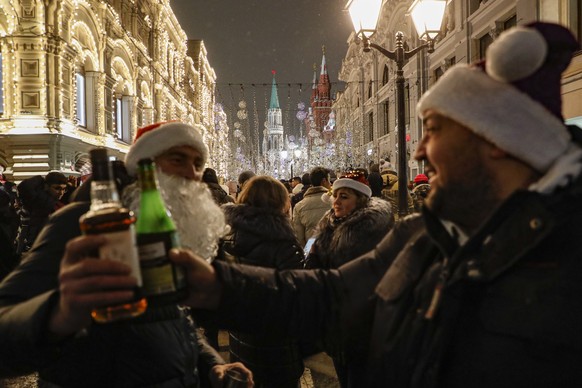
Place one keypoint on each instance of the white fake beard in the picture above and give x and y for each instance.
(199, 220)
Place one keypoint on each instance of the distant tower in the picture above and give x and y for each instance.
(321, 97)
(273, 140)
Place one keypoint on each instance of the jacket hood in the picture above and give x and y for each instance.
(251, 225)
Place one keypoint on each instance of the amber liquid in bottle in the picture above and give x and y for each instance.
(163, 282)
(107, 217)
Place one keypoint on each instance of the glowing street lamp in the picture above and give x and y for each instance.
(427, 16)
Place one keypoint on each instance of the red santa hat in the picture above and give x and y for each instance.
(354, 180)
(513, 99)
(156, 138)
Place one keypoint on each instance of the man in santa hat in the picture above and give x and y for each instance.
(483, 288)
(49, 304)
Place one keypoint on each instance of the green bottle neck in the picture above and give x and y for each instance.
(153, 216)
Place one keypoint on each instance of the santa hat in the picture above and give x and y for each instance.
(156, 138)
(420, 178)
(513, 100)
(354, 180)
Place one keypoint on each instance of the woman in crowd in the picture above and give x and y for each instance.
(355, 225)
(262, 235)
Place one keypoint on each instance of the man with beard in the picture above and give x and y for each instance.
(483, 288)
(45, 317)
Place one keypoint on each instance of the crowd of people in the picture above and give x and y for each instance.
(477, 287)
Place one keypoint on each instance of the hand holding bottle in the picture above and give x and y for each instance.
(86, 284)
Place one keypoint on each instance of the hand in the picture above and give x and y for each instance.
(86, 283)
(218, 372)
(204, 287)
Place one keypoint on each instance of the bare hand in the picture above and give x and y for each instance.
(218, 372)
(86, 283)
(204, 287)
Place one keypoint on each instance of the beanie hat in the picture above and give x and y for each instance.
(209, 176)
(354, 180)
(420, 178)
(512, 99)
(156, 138)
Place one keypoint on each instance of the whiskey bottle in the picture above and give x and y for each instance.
(163, 282)
(106, 216)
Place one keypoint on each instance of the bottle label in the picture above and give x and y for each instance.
(121, 246)
(160, 276)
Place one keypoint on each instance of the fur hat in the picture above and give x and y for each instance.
(156, 138)
(512, 100)
(354, 180)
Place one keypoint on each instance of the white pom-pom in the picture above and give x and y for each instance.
(517, 54)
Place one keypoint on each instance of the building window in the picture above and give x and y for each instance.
(407, 104)
(484, 42)
(1, 88)
(566, 12)
(122, 124)
(386, 108)
(511, 22)
(385, 75)
(81, 100)
(473, 6)
(438, 73)
(371, 126)
(119, 118)
(370, 89)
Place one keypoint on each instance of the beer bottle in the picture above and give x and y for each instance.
(106, 216)
(163, 282)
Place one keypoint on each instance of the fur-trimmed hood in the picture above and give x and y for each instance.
(341, 240)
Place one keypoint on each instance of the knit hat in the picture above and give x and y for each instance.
(420, 178)
(353, 180)
(156, 138)
(512, 100)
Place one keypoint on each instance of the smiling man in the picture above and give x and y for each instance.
(483, 288)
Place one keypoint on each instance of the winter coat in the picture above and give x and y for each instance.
(264, 237)
(36, 204)
(506, 308)
(341, 240)
(390, 193)
(158, 348)
(308, 212)
(218, 194)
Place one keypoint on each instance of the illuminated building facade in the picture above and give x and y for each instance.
(81, 74)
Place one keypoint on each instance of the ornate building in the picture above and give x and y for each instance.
(321, 98)
(77, 74)
(273, 140)
(366, 110)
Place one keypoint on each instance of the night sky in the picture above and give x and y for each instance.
(246, 39)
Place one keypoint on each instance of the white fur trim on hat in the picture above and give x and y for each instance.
(155, 141)
(352, 184)
(500, 113)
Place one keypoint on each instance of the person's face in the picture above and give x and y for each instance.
(325, 183)
(456, 164)
(294, 183)
(344, 202)
(57, 190)
(182, 161)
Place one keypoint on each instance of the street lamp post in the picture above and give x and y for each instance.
(427, 16)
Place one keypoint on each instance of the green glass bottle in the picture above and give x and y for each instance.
(106, 216)
(163, 282)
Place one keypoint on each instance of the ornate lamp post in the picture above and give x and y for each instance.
(427, 16)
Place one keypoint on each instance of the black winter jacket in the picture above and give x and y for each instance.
(158, 348)
(503, 310)
(264, 237)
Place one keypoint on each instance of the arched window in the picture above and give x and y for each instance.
(81, 94)
(385, 75)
